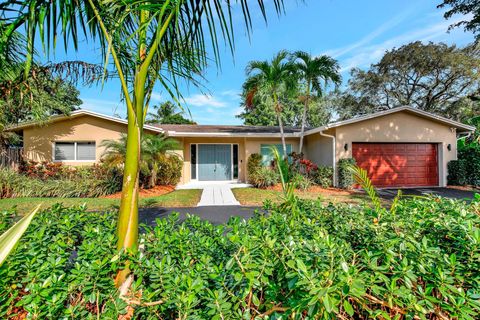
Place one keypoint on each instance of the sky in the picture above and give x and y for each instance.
(356, 33)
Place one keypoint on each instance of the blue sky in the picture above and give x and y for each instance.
(356, 33)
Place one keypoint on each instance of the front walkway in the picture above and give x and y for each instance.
(216, 193)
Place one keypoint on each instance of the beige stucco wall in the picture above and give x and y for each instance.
(319, 149)
(38, 140)
(399, 127)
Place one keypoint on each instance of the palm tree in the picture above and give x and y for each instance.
(149, 42)
(154, 150)
(275, 79)
(165, 114)
(315, 73)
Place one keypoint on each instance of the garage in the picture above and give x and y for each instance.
(398, 164)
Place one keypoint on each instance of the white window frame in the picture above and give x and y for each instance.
(74, 151)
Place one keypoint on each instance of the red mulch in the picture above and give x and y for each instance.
(146, 193)
(316, 189)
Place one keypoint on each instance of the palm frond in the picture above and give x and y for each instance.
(361, 177)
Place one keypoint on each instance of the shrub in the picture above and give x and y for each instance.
(301, 182)
(457, 173)
(264, 177)
(254, 163)
(470, 154)
(169, 170)
(328, 262)
(13, 184)
(323, 176)
(345, 177)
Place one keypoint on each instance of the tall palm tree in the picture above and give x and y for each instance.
(315, 74)
(149, 42)
(166, 113)
(154, 149)
(275, 79)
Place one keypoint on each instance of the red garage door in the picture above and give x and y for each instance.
(398, 164)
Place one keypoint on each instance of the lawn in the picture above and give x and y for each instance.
(178, 198)
(256, 197)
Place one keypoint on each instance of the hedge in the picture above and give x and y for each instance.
(324, 262)
(465, 170)
(345, 177)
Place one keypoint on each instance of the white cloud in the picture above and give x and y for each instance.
(200, 100)
(362, 56)
(157, 96)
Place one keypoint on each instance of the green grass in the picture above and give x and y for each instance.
(178, 198)
(256, 197)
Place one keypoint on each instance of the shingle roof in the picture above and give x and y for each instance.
(187, 128)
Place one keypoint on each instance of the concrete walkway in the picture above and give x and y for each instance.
(217, 195)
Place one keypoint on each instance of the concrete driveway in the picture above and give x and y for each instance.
(443, 192)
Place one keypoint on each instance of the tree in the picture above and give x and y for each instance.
(165, 113)
(466, 8)
(433, 77)
(149, 42)
(315, 74)
(270, 81)
(153, 149)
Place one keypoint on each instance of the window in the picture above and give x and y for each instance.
(193, 161)
(235, 161)
(74, 151)
(266, 152)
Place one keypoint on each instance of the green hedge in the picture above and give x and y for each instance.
(13, 184)
(170, 171)
(329, 262)
(465, 170)
(345, 177)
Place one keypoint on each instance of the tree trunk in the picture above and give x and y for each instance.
(127, 230)
(304, 119)
(280, 124)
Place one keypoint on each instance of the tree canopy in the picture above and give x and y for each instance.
(434, 77)
(166, 113)
(466, 8)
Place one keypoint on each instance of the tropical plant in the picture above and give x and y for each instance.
(165, 113)
(153, 149)
(263, 177)
(315, 73)
(271, 79)
(10, 238)
(149, 43)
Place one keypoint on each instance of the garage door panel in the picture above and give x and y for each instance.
(398, 164)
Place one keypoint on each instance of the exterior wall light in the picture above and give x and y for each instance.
(345, 147)
(449, 147)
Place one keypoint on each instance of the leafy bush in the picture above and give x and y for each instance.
(345, 176)
(330, 262)
(301, 182)
(254, 164)
(264, 177)
(323, 176)
(169, 170)
(13, 184)
(457, 173)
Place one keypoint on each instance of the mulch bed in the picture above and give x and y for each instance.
(146, 193)
(316, 189)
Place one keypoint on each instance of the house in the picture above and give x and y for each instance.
(401, 147)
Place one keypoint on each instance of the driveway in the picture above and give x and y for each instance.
(389, 194)
(214, 214)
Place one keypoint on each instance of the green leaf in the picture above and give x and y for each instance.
(10, 238)
(348, 308)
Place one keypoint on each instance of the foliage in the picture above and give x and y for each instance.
(153, 151)
(468, 9)
(345, 176)
(325, 262)
(10, 238)
(13, 184)
(165, 113)
(169, 170)
(254, 163)
(263, 177)
(323, 176)
(301, 181)
(314, 73)
(457, 173)
(433, 77)
(270, 81)
(465, 170)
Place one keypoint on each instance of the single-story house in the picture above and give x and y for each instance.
(401, 147)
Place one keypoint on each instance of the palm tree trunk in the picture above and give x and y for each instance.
(280, 124)
(304, 119)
